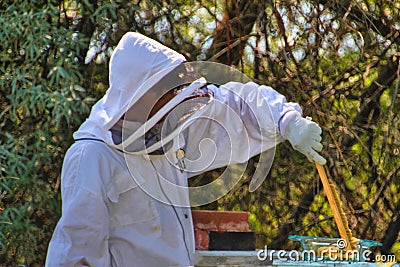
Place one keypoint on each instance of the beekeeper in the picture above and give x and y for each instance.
(125, 195)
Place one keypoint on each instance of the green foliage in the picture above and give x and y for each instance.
(42, 101)
(336, 59)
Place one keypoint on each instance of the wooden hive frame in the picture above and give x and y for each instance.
(338, 213)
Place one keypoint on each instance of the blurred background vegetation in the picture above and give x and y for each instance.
(338, 59)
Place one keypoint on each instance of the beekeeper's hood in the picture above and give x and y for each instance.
(137, 64)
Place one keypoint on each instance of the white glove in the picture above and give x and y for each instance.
(305, 136)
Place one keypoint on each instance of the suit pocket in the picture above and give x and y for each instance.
(128, 203)
(133, 206)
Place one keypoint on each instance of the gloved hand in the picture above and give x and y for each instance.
(305, 136)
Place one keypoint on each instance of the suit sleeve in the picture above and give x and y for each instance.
(241, 121)
(80, 237)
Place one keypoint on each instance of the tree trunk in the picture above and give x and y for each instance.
(232, 31)
(392, 232)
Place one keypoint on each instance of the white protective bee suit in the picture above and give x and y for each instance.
(125, 201)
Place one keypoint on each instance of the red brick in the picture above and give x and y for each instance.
(201, 239)
(221, 221)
